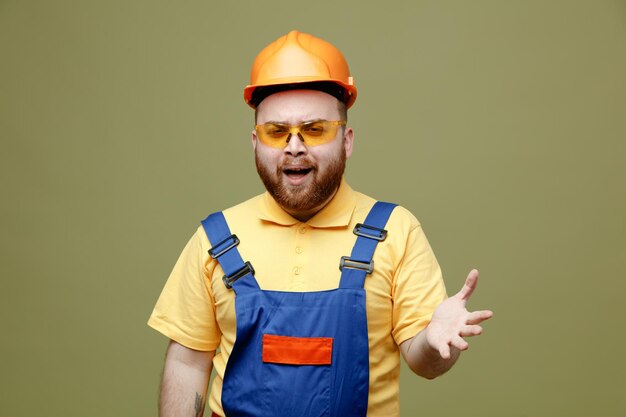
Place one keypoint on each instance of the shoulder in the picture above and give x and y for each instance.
(236, 213)
(401, 218)
(241, 212)
(244, 208)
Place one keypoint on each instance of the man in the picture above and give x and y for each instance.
(257, 293)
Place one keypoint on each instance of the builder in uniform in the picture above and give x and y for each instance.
(304, 298)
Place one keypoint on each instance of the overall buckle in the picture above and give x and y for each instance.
(346, 262)
(234, 241)
(245, 270)
(370, 232)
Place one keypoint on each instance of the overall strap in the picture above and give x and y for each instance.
(372, 231)
(239, 274)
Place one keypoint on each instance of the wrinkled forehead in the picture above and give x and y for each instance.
(297, 106)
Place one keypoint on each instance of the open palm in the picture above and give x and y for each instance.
(451, 321)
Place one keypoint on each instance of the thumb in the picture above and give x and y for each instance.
(470, 285)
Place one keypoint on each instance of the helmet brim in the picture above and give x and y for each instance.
(253, 98)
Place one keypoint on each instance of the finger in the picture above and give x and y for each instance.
(459, 343)
(444, 351)
(473, 330)
(470, 285)
(476, 317)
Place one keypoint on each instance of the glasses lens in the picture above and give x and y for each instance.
(320, 132)
(273, 134)
(316, 133)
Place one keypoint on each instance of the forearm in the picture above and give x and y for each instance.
(424, 360)
(184, 384)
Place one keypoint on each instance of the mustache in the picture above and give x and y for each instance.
(302, 162)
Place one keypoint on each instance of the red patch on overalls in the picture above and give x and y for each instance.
(297, 350)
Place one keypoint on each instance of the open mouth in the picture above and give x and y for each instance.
(296, 173)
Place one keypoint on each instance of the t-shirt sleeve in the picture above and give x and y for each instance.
(185, 310)
(418, 287)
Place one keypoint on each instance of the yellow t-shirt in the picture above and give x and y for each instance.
(198, 311)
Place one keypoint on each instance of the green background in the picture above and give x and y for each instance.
(500, 124)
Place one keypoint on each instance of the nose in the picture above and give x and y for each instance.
(295, 145)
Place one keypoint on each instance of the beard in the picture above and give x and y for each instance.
(306, 197)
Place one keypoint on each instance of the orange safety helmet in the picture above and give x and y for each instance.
(299, 58)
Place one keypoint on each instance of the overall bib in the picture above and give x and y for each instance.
(298, 353)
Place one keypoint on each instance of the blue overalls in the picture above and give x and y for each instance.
(298, 353)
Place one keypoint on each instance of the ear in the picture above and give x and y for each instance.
(348, 141)
(254, 139)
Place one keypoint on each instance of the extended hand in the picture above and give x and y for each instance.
(451, 321)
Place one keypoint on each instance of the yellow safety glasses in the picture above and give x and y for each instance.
(317, 132)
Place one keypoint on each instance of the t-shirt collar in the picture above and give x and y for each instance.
(337, 213)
